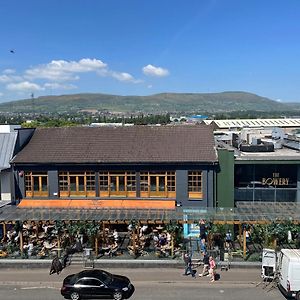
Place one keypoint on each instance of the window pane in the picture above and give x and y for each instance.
(36, 183)
(144, 182)
(113, 183)
(72, 183)
(44, 184)
(171, 186)
(195, 181)
(286, 195)
(81, 183)
(243, 194)
(244, 175)
(121, 183)
(161, 183)
(153, 183)
(131, 185)
(103, 181)
(90, 181)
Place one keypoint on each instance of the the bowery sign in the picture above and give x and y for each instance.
(275, 180)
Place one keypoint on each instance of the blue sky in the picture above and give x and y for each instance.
(140, 47)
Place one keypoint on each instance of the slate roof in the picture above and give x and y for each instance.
(136, 144)
(7, 146)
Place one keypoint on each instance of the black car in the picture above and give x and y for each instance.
(91, 284)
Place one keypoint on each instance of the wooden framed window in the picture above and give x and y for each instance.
(90, 184)
(77, 184)
(195, 184)
(117, 184)
(171, 183)
(103, 184)
(158, 184)
(36, 184)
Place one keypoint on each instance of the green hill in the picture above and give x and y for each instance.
(158, 103)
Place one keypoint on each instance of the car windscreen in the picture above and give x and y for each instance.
(105, 277)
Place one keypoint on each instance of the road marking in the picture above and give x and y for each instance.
(38, 287)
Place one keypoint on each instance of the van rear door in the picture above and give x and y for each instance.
(295, 276)
(284, 271)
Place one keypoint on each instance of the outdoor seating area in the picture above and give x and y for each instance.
(234, 234)
(46, 239)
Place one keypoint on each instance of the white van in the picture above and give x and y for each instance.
(289, 272)
(268, 264)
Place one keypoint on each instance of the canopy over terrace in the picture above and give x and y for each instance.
(245, 212)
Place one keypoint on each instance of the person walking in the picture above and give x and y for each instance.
(187, 258)
(205, 264)
(228, 240)
(212, 269)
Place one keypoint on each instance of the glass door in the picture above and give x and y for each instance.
(117, 185)
(40, 185)
(157, 185)
(77, 186)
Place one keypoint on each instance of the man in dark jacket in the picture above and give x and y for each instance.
(187, 258)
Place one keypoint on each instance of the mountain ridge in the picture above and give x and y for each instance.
(167, 102)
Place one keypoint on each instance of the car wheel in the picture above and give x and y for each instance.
(297, 296)
(75, 296)
(117, 295)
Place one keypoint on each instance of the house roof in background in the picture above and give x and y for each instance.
(136, 144)
(254, 123)
(7, 146)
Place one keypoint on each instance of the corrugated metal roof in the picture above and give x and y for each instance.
(7, 146)
(254, 123)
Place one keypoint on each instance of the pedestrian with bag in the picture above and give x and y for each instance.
(212, 269)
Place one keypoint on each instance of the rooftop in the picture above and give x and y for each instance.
(134, 144)
(254, 123)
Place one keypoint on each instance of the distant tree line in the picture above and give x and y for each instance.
(86, 118)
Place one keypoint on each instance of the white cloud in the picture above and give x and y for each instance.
(59, 75)
(62, 70)
(24, 86)
(123, 76)
(9, 71)
(5, 78)
(58, 86)
(1, 94)
(151, 70)
(9, 78)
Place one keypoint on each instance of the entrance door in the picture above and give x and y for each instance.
(117, 185)
(77, 185)
(157, 185)
(40, 186)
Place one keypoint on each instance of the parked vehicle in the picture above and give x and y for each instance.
(268, 264)
(289, 272)
(91, 284)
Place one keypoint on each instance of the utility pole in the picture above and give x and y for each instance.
(32, 102)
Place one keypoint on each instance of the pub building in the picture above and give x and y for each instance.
(263, 168)
(156, 167)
